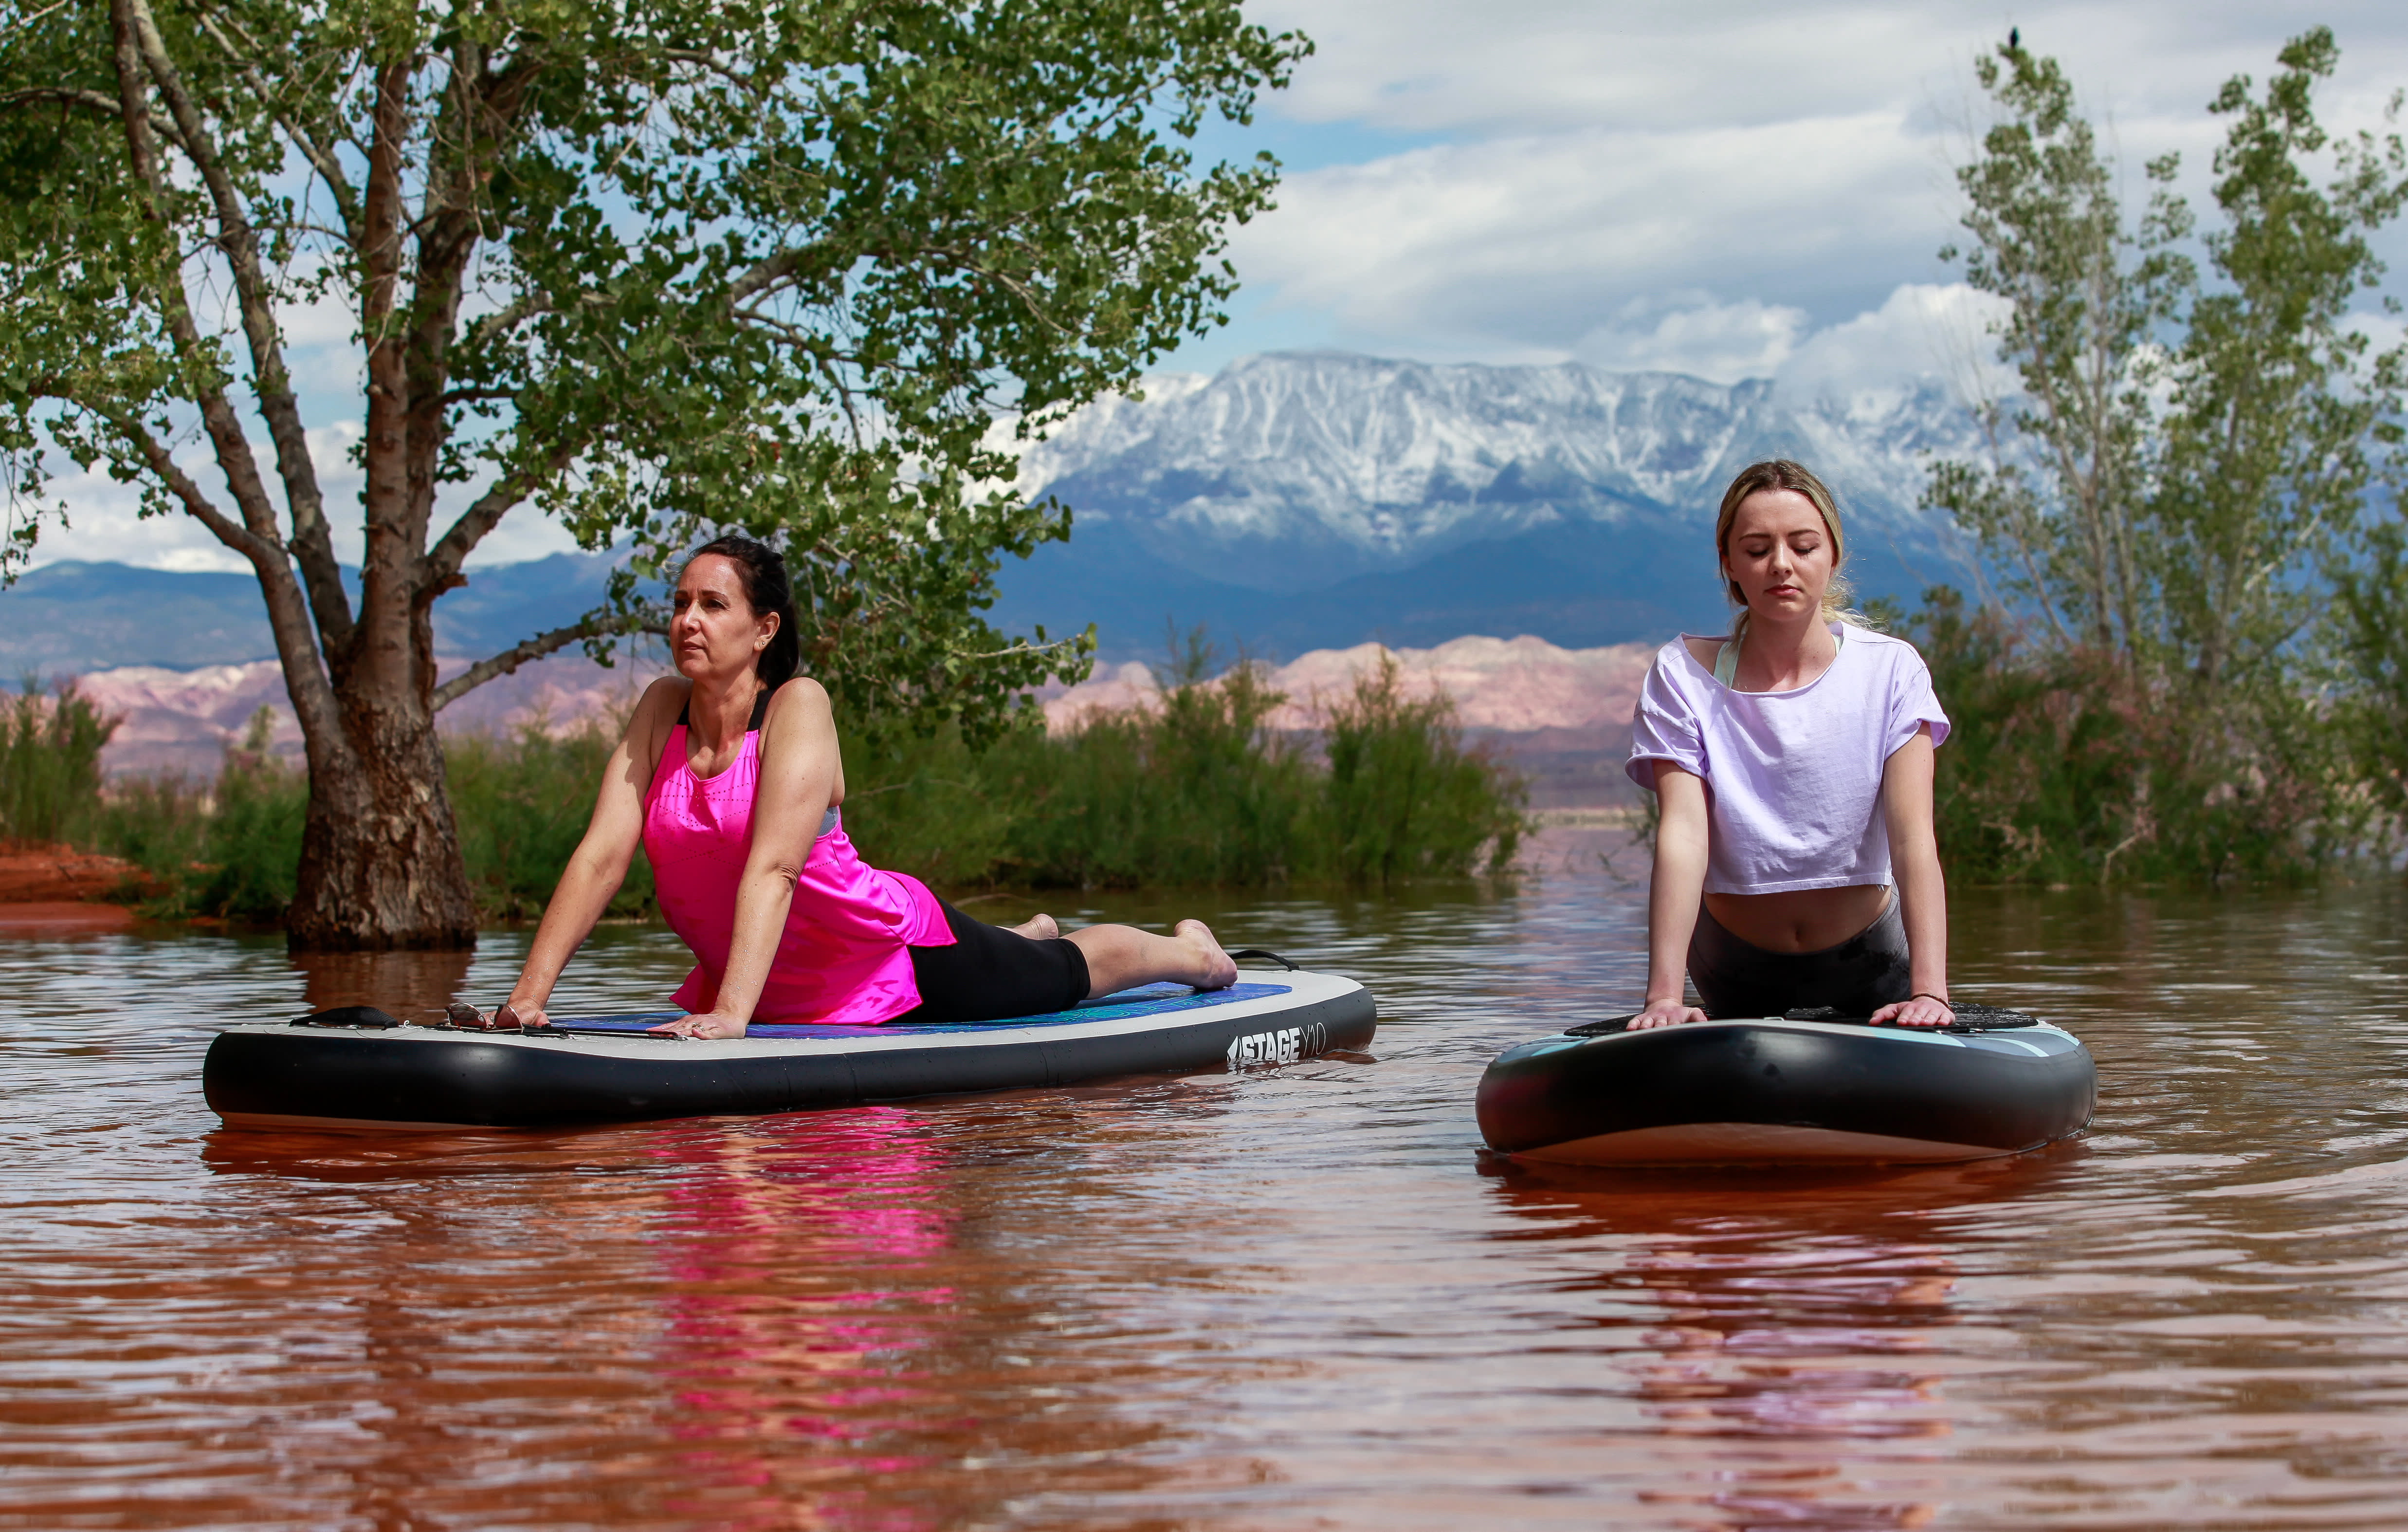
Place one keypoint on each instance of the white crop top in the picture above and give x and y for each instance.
(1793, 778)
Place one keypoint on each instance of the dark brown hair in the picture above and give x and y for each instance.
(763, 575)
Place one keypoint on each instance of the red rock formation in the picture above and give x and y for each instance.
(1562, 714)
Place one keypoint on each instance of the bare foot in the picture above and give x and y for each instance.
(1038, 928)
(1220, 969)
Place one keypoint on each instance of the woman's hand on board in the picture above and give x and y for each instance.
(1921, 1011)
(523, 1013)
(704, 1025)
(510, 1017)
(1666, 1013)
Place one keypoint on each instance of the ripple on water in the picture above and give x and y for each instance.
(1296, 1298)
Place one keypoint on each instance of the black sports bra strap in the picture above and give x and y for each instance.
(760, 711)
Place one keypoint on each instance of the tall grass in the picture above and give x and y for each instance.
(49, 764)
(1201, 791)
(521, 801)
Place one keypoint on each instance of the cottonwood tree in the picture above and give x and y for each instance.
(2179, 492)
(2278, 402)
(2062, 495)
(2188, 447)
(646, 266)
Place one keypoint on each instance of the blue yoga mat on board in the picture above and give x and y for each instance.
(1148, 1000)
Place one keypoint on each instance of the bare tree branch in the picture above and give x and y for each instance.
(304, 676)
(54, 6)
(1022, 647)
(537, 648)
(91, 101)
(194, 500)
(474, 396)
(443, 560)
(313, 697)
(272, 384)
(711, 63)
(505, 319)
(217, 412)
(767, 274)
(320, 157)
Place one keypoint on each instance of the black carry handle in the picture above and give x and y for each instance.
(1601, 1029)
(1267, 952)
(347, 1015)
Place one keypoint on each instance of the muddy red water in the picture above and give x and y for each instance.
(1296, 1298)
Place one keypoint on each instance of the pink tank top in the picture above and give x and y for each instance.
(841, 958)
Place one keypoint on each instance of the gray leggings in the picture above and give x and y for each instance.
(1858, 977)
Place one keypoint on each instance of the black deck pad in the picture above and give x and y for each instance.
(1972, 1016)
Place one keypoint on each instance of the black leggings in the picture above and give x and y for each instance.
(992, 974)
(1858, 977)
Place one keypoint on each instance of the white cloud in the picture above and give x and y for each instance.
(1921, 331)
(1541, 240)
(1604, 162)
(1723, 341)
(1520, 65)
(525, 533)
(105, 525)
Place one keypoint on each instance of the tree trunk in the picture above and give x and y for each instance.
(380, 864)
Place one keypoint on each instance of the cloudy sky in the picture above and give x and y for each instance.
(1725, 189)
(1720, 188)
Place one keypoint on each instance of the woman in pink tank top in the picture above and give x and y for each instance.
(729, 777)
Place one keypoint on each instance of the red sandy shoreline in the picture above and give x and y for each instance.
(51, 917)
(46, 890)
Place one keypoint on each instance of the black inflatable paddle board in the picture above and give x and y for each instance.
(358, 1067)
(1789, 1089)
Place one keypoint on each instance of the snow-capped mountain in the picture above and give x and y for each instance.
(1294, 502)
(1321, 499)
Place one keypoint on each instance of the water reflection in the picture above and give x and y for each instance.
(757, 1339)
(1771, 1326)
(1295, 1298)
(413, 986)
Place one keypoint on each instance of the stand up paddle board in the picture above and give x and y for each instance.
(358, 1067)
(1806, 1088)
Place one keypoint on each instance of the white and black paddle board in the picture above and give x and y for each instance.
(358, 1067)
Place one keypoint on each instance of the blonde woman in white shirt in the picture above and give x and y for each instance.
(1792, 764)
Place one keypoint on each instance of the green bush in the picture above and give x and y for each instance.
(522, 802)
(2065, 767)
(1403, 797)
(227, 853)
(1201, 791)
(49, 764)
(254, 839)
(162, 824)
(924, 804)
